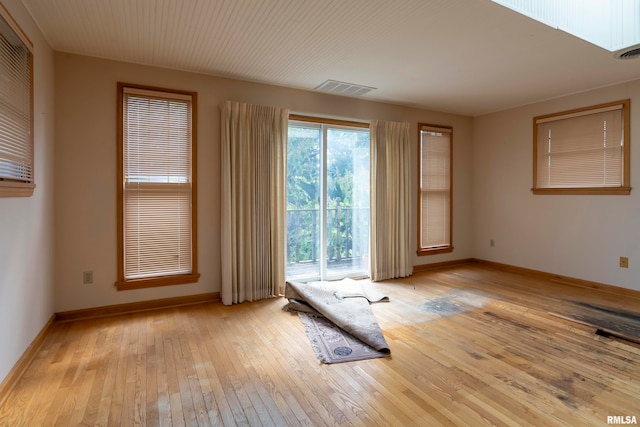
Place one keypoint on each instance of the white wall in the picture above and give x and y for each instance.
(86, 169)
(26, 223)
(575, 236)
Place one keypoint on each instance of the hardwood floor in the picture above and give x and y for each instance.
(492, 357)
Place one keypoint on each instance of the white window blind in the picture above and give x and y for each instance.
(581, 150)
(157, 174)
(435, 188)
(16, 112)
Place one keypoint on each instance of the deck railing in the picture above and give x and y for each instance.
(347, 235)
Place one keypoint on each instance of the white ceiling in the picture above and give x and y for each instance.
(469, 57)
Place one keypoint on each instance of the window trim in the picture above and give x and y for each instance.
(167, 280)
(11, 188)
(441, 249)
(327, 121)
(625, 189)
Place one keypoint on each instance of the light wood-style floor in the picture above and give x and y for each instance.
(505, 362)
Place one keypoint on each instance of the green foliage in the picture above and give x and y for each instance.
(303, 168)
(347, 193)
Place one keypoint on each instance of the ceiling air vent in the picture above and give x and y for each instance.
(341, 88)
(629, 53)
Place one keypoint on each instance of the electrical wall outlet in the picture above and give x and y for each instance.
(624, 262)
(87, 277)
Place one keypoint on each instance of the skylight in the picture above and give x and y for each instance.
(610, 24)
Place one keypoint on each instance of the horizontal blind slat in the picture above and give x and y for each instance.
(581, 151)
(157, 185)
(435, 183)
(16, 142)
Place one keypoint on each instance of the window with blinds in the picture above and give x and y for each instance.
(157, 187)
(16, 109)
(435, 189)
(584, 151)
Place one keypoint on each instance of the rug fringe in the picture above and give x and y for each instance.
(316, 344)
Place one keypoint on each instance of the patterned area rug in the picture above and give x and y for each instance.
(332, 344)
(338, 318)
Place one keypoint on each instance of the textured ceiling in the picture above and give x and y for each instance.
(468, 57)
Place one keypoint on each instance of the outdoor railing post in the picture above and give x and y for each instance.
(314, 234)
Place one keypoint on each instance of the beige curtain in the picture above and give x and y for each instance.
(391, 255)
(254, 159)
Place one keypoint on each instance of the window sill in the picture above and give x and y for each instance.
(15, 189)
(612, 191)
(153, 282)
(434, 251)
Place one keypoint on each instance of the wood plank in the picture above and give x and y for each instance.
(110, 361)
(23, 363)
(496, 357)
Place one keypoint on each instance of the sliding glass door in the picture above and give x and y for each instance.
(327, 201)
